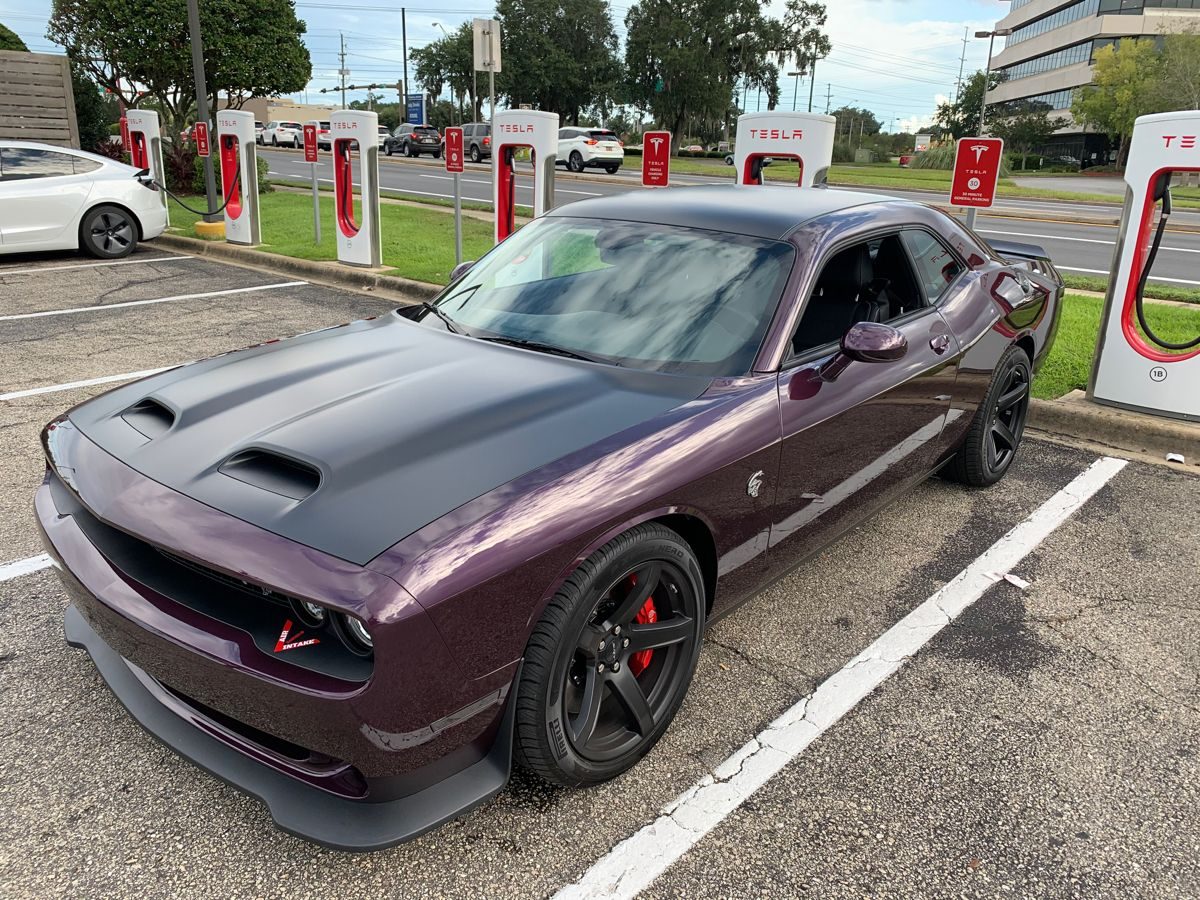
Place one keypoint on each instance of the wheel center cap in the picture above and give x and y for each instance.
(612, 651)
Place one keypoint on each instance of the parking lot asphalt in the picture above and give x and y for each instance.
(1044, 744)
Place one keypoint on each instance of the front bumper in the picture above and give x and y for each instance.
(302, 810)
(354, 765)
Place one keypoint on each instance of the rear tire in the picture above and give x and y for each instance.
(476, 156)
(108, 232)
(611, 170)
(575, 161)
(603, 675)
(995, 433)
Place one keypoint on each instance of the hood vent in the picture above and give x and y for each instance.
(272, 472)
(149, 417)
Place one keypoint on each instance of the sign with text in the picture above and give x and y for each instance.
(310, 142)
(125, 133)
(200, 130)
(415, 109)
(454, 150)
(976, 171)
(656, 159)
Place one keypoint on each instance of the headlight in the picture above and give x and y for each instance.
(356, 634)
(311, 614)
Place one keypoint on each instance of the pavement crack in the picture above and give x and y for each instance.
(765, 667)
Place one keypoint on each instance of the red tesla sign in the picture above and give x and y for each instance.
(656, 159)
(454, 150)
(200, 129)
(310, 143)
(976, 171)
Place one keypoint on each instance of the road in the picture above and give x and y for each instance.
(1084, 249)
(1043, 745)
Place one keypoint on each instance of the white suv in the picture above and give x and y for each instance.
(284, 134)
(581, 148)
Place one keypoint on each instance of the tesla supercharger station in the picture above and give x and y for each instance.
(358, 238)
(804, 137)
(511, 130)
(1134, 367)
(239, 176)
(145, 145)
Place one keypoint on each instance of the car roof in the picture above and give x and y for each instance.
(766, 211)
(57, 148)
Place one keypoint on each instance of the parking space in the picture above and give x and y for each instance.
(1044, 744)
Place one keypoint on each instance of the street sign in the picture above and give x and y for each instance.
(200, 132)
(454, 150)
(656, 159)
(125, 134)
(310, 142)
(486, 45)
(414, 109)
(976, 171)
(921, 142)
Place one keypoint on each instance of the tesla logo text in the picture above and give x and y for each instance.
(978, 150)
(516, 129)
(777, 134)
(1186, 141)
(294, 643)
(754, 485)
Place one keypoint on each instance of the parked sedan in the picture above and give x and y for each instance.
(357, 573)
(284, 134)
(55, 198)
(584, 148)
(413, 140)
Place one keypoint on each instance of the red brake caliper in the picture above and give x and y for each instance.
(647, 615)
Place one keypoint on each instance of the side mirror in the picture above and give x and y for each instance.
(870, 342)
(461, 269)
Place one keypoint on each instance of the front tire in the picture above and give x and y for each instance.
(387, 149)
(108, 232)
(610, 662)
(274, 140)
(995, 433)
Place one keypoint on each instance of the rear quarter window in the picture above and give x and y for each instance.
(937, 267)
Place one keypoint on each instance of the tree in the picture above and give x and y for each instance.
(960, 117)
(687, 60)
(559, 55)
(140, 49)
(803, 22)
(857, 120)
(450, 61)
(1181, 68)
(10, 40)
(93, 114)
(1024, 125)
(1127, 82)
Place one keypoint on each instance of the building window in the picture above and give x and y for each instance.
(1051, 101)
(1068, 56)
(1057, 19)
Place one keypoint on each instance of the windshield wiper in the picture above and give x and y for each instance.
(543, 347)
(451, 325)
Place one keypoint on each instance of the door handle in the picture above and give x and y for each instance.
(940, 343)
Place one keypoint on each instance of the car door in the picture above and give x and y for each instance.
(42, 192)
(854, 439)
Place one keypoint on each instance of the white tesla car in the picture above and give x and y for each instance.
(56, 198)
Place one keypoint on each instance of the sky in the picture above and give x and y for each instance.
(898, 58)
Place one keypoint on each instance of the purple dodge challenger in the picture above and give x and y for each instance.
(356, 572)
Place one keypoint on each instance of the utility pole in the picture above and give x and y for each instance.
(404, 60)
(828, 96)
(210, 183)
(342, 67)
(961, 62)
(812, 74)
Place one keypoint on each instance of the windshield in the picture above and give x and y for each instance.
(655, 297)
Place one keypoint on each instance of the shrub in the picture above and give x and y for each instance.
(842, 153)
(943, 158)
(112, 149)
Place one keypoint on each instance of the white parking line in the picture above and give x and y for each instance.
(71, 385)
(33, 270)
(1106, 273)
(25, 566)
(85, 309)
(633, 864)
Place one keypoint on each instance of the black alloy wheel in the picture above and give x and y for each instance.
(995, 433)
(575, 162)
(610, 662)
(108, 232)
(387, 148)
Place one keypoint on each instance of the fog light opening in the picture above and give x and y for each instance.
(355, 635)
(311, 614)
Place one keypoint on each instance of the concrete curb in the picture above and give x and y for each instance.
(331, 274)
(1076, 417)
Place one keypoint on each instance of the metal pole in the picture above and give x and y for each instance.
(458, 256)
(404, 54)
(342, 70)
(987, 77)
(210, 182)
(812, 84)
(795, 91)
(316, 206)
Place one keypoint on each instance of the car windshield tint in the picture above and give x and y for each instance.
(655, 297)
(431, 131)
(602, 135)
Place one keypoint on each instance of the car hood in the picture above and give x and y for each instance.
(349, 439)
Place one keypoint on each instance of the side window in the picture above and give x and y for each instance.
(937, 267)
(85, 165)
(871, 281)
(27, 162)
